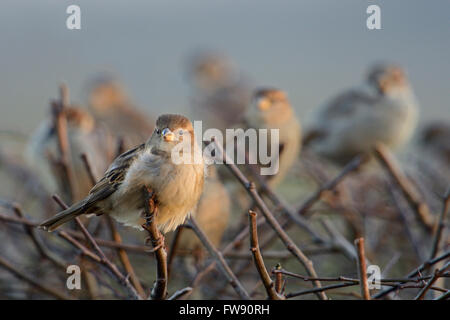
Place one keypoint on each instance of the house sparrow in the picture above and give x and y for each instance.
(177, 186)
(212, 215)
(84, 136)
(220, 95)
(384, 110)
(111, 106)
(270, 109)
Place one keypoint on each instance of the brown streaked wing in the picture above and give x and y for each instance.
(114, 176)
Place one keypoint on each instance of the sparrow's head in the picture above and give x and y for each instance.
(106, 93)
(79, 119)
(209, 70)
(269, 106)
(388, 78)
(170, 130)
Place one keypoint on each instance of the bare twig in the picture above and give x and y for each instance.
(258, 259)
(420, 208)
(180, 294)
(104, 260)
(159, 291)
(330, 185)
(415, 272)
(439, 227)
(60, 124)
(21, 275)
(359, 244)
(290, 245)
(315, 290)
(217, 255)
(173, 249)
(438, 273)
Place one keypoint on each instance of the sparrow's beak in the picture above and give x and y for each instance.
(168, 135)
(263, 104)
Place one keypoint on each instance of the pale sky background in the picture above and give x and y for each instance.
(311, 48)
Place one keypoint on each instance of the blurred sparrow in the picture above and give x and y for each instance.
(111, 106)
(84, 136)
(271, 109)
(177, 186)
(220, 94)
(383, 110)
(212, 216)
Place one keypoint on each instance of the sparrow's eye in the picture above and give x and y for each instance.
(158, 131)
(180, 132)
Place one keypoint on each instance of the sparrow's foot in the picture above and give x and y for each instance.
(157, 243)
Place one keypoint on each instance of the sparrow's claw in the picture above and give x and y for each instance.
(157, 244)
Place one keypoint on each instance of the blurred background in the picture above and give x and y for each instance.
(312, 49)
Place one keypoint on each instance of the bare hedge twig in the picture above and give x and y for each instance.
(439, 227)
(173, 249)
(180, 294)
(438, 273)
(258, 259)
(353, 165)
(290, 245)
(217, 255)
(362, 269)
(159, 291)
(315, 290)
(21, 275)
(410, 193)
(414, 273)
(104, 260)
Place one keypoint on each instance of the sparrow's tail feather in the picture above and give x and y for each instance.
(64, 216)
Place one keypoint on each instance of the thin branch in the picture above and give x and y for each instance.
(159, 291)
(37, 241)
(180, 294)
(439, 227)
(352, 166)
(290, 245)
(173, 249)
(415, 272)
(359, 244)
(258, 259)
(420, 208)
(437, 274)
(104, 260)
(21, 275)
(217, 255)
(315, 290)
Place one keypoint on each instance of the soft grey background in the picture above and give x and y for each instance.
(312, 49)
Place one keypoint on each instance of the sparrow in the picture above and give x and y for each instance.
(270, 109)
(212, 215)
(112, 107)
(384, 110)
(84, 136)
(220, 94)
(177, 185)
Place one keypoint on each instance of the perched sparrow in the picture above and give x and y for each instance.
(111, 106)
(177, 186)
(384, 110)
(271, 109)
(220, 94)
(212, 215)
(84, 136)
